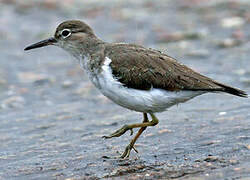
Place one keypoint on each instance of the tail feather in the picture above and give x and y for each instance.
(233, 91)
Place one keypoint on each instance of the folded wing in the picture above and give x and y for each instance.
(140, 68)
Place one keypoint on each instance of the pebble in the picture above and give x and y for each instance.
(222, 113)
(13, 102)
(164, 131)
(229, 42)
(212, 159)
(63, 117)
(84, 89)
(67, 84)
(233, 161)
(237, 169)
(238, 34)
(245, 81)
(31, 77)
(199, 53)
(177, 36)
(247, 146)
(232, 22)
(41, 82)
(240, 71)
(208, 143)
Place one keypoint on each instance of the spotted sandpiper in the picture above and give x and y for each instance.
(137, 78)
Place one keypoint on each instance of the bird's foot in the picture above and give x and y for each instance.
(127, 151)
(120, 132)
(125, 154)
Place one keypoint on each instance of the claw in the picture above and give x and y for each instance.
(120, 132)
(127, 151)
(106, 137)
(135, 149)
(131, 132)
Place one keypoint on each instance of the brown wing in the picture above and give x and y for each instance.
(140, 68)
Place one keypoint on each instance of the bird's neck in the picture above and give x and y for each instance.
(90, 55)
(84, 48)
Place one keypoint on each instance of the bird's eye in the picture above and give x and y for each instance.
(65, 33)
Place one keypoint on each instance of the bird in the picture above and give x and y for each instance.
(141, 79)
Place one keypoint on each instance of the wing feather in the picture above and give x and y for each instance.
(140, 68)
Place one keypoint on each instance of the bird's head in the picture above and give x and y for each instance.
(71, 35)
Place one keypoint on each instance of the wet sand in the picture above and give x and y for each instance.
(52, 119)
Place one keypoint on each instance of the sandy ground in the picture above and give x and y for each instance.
(52, 118)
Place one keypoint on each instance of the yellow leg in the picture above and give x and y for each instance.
(130, 127)
(129, 147)
(142, 127)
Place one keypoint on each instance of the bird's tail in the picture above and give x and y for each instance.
(231, 90)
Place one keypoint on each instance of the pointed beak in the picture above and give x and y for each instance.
(43, 43)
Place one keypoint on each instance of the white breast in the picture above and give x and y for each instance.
(153, 100)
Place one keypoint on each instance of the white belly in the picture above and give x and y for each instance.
(153, 100)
